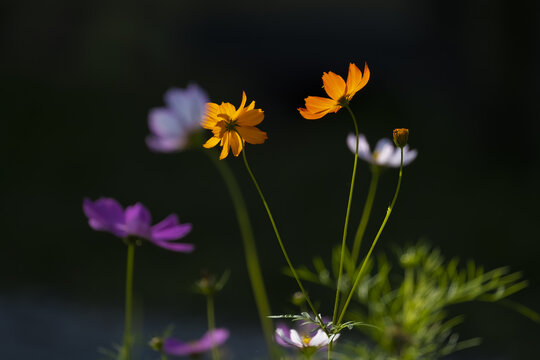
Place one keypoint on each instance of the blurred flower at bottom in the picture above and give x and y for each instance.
(209, 340)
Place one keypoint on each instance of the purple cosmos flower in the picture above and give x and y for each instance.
(173, 125)
(106, 214)
(385, 153)
(306, 337)
(212, 338)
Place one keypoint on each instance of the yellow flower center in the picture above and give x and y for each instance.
(306, 340)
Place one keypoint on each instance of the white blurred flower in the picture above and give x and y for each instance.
(172, 126)
(385, 153)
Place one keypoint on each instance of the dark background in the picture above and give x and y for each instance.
(78, 79)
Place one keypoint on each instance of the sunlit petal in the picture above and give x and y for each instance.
(236, 143)
(213, 141)
(241, 107)
(225, 144)
(252, 134)
(334, 85)
(250, 118)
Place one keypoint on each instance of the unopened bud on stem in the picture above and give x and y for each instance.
(156, 343)
(400, 137)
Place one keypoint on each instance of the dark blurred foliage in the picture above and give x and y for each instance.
(78, 79)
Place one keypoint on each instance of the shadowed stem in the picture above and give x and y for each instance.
(250, 250)
(388, 212)
(281, 242)
(212, 324)
(345, 227)
(129, 298)
(365, 214)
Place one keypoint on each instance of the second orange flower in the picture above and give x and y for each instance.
(339, 91)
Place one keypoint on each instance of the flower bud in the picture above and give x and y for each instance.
(156, 343)
(400, 137)
(208, 284)
(298, 298)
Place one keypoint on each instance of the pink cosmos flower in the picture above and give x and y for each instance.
(212, 338)
(106, 214)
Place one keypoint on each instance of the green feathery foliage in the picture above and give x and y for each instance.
(407, 305)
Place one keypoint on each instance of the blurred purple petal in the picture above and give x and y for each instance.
(206, 343)
(163, 122)
(172, 127)
(105, 214)
(138, 220)
(213, 338)
(188, 105)
(178, 247)
(169, 229)
(169, 221)
(175, 347)
(282, 337)
(165, 144)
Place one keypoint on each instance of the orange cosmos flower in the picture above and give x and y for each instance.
(232, 127)
(340, 92)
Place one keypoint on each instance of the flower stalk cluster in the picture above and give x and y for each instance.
(232, 128)
(178, 126)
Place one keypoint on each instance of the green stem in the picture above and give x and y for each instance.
(346, 226)
(281, 242)
(388, 212)
(330, 346)
(250, 250)
(365, 214)
(212, 324)
(129, 298)
(163, 356)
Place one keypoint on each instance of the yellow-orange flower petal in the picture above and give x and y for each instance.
(227, 111)
(236, 143)
(250, 118)
(211, 118)
(213, 141)
(355, 80)
(339, 91)
(311, 116)
(317, 107)
(318, 104)
(241, 107)
(334, 85)
(252, 135)
(225, 144)
(251, 106)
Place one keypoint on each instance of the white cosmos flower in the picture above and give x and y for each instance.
(294, 339)
(385, 153)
